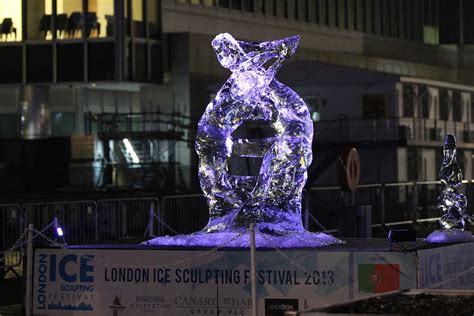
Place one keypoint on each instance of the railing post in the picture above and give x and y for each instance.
(124, 220)
(253, 269)
(151, 218)
(382, 204)
(29, 271)
(96, 222)
(306, 209)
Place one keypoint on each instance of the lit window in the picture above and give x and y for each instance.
(10, 19)
(99, 20)
(68, 19)
(38, 19)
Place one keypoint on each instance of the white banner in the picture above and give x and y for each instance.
(448, 267)
(197, 282)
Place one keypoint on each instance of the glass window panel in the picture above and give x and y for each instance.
(9, 126)
(69, 19)
(156, 52)
(39, 63)
(11, 64)
(153, 18)
(223, 3)
(99, 19)
(70, 62)
(138, 25)
(39, 23)
(248, 5)
(472, 115)
(101, 61)
(424, 97)
(10, 19)
(408, 106)
(457, 106)
(444, 105)
(140, 63)
(63, 124)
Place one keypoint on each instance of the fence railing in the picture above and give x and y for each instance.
(391, 202)
(11, 228)
(110, 220)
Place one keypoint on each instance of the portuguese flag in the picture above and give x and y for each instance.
(378, 278)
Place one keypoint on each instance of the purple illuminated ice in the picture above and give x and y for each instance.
(451, 202)
(272, 200)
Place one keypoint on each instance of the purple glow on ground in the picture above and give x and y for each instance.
(233, 240)
(449, 237)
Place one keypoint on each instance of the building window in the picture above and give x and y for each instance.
(138, 25)
(153, 20)
(457, 106)
(408, 104)
(374, 106)
(412, 164)
(11, 21)
(68, 19)
(424, 101)
(99, 18)
(472, 112)
(63, 124)
(444, 105)
(223, 3)
(316, 11)
(248, 5)
(9, 126)
(39, 21)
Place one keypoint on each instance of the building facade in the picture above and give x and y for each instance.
(137, 75)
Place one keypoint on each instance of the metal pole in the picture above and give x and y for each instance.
(29, 271)
(253, 272)
(151, 219)
(382, 204)
(306, 210)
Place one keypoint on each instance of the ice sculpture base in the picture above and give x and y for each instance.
(241, 239)
(446, 237)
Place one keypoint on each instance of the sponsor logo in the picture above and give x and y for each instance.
(278, 307)
(71, 276)
(117, 304)
(150, 304)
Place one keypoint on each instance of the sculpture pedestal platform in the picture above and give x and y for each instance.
(447, 237)
(242, 239)
(151, 280)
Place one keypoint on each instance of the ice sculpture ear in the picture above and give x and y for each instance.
(228, 51)
(289, 45)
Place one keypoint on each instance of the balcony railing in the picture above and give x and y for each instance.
(390, 129)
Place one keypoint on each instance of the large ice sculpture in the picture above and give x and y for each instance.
(451, 202)
(272, 199)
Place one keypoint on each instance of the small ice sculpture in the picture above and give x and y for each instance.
(451, 202)
(271, 200)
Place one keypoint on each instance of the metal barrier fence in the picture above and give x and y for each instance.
(10, 230)
(183, 214)
(125, 218)
(391, 202)
(78, 217)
